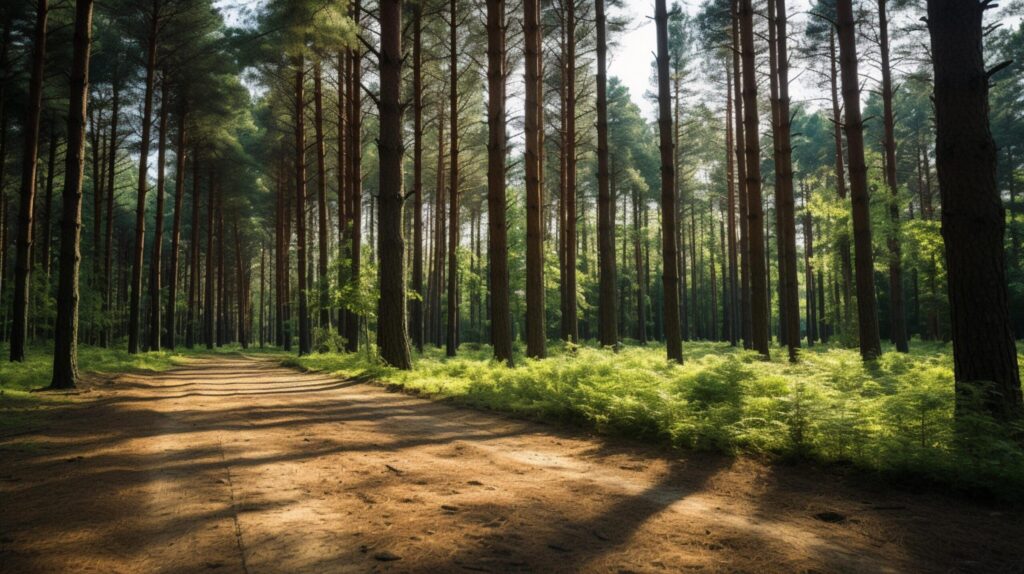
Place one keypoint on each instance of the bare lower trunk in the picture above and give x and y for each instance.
(607, 328)
(673, 336)
(536, 344)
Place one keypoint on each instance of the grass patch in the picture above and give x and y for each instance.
(892, 417)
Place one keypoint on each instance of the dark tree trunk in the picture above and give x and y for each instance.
(210, 315)
(179, 198)
(867, 311)
(323, 284)
(342, 67)
(973, 218)
(134, 312)
(897, 307)
(193, 284)
(673, 335)
(607, 329)
(845, 257)
(452, 332)
(106, 335)
(755, 215)
(392, 337)
(497, 225)
(741, 184)
(572, 328)
(158, 227)
(355, 186)
(536, 343)
(45, 221)
(65, 346)
(30, 156)
(305, 343)
(732, 319)
(416, 315)
(790, 322)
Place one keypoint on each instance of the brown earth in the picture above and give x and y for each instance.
(239, 465)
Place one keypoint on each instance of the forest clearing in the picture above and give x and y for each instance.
(511, 285)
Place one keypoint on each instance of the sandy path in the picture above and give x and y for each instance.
(237, 465)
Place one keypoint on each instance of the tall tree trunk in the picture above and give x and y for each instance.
(741, 184)
(107, 335)
(65, 345)
(342, 175)
(867, 311)
(845, 257)
(536, 343)
(755, 215)
(210, 314)
(134, 312)
(973, 218)
(179, 197)
(897, 307)
(452, 338)
(572, 327)
(305, 343)
(670, 277)
(30, 156)
(45, 222)
(158, 227)
(193, 284)
(732, 319)
(497, 225)
(784, 194)
(323, 284)
(417, 178)
(355, 186)
(392, 337)
(607, 329)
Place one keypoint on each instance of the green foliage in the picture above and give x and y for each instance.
(893, 417)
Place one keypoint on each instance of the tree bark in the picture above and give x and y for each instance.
(670, 276)
(355, 186)
(897, 307)
(452, 332)
(392, 336)
(106, 335)
(973, 217)
(305, 343)
(741, 184)
(755, 215)
(158, 227)
(30, 156)
(179, 197)
(323, 249)
(845, 257)
(65, 349)
(867, 311)
(536, 343)
(607, 328)
(416, 315)
(497, 146)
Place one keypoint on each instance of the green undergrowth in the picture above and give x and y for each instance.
(892, 417)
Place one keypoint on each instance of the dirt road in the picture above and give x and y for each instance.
(238, 465)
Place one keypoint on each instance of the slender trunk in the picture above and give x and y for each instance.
(65, 349)
(179, 197)
(45, 231)
(106, 335)
(607, 328)
(209, 316)
(897, 307)
(670, 276)
(973, 218)
(755, 215)
(784, 194)
(535, 332)
(323, 284)
(305, 344)
(417, 175)
(193, 284)
(30, 156)
(732, 320)
(867, 312)
(746, 325)
(158, 228)
(845, 257)
(452, 338)
(497, 225)
(355, 186)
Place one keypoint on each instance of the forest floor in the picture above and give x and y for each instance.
(236, 464)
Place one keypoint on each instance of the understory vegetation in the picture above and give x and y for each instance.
(893, 417)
